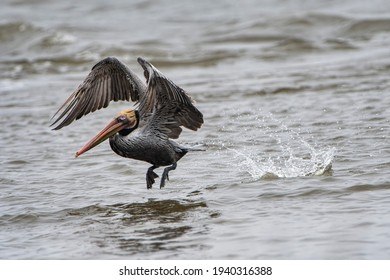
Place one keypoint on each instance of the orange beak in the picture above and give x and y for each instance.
(111, 129)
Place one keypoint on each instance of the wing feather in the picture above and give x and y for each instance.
(164, 107)
(109, 80)
(170, 105)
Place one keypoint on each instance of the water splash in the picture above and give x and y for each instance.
(291, 155)
(319, 163)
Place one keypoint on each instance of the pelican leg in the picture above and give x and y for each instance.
(165, 174)
(150, 176)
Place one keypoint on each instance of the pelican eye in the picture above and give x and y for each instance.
(122, 119)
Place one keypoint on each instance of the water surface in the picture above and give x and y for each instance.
(296, 106)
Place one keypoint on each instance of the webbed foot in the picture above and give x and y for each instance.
(165, 174)
(150, 176)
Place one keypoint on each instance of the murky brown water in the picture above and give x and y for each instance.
(296, 101)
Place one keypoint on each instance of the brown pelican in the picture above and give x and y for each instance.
(143, 133)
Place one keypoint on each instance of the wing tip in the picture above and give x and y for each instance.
(56, 127)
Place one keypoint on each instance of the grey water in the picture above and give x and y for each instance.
(295, 97)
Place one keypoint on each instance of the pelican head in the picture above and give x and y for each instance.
(124, 123)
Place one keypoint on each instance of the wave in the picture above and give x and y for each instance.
(135, 212)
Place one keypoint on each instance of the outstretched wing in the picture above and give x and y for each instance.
(109, 80)
(168, 106)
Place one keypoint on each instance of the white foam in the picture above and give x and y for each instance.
(293, 155)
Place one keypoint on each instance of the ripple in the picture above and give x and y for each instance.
(162, 210)
(19, 218)
(367, 28)
(368, 188)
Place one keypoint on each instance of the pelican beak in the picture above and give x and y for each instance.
(111, 129)
(127, 119)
